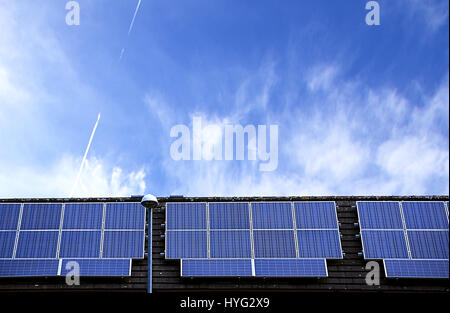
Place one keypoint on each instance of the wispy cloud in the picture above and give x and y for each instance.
(354, 140)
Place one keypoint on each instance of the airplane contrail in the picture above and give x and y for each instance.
(134, 16)
(121, 53)
(84, 157)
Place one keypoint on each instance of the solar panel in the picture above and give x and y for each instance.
(379, 215)
(416, 268)
(7, 242)
(37, 244)
(9, 215)
(125, 215)
(186, 244)
(319, 244)
(272, 215)
(186, 216)
(98, 267)
(80, 244)
(291, 268)
(230, 244)
(384, 244)
(425, 215)
(49, 232)
(83, 216)
(274, 244)
(428, 244)
(229, 215)
(312, 215)
(123, 244)
(216, 268)
(22, 268)
(41, 216)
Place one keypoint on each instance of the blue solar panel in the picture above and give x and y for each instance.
(186, 244)
(290, 268)
(230, 244)
(216, 268)
(37, 244)
(7, 241)
(97, 267)
(83, 216)
(379, 215)
(416, 268)
(319, 244)
(384, 244)
(428, 244)
(124, 215)
(425, 215)
(272, 215)
(80, 244)
(310, 215)
(20, 268)
(229, 215)
(123, 244)
(41, 216)
(186, 215)
(274, 244)
(9, 215)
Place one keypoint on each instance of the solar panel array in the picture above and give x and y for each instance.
(229, 238)
(412, 237)
(39, 239)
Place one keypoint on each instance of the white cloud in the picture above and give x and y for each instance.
(98, 179)
(321, 77)
(355, 140)
(433, 13)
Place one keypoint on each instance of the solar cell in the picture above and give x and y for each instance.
(41, 216)
(379, 215)
(37, 244)
(428, 244)
(83, 216)
(416, 268)
(310, 215)
(319, 244)
(9, 215)
(7, 242)
(186, 216)
(216, 268)
(230, 244)
(425, 215)
(291, 268)
(97, 267)
(384, 244)
(123, 244)
(229, 215)
(186, 244)
(80, 244)
(274, 244)
(272, 215)
(22, 268)
(125, 215)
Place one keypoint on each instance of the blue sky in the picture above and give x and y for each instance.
(361, 110)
